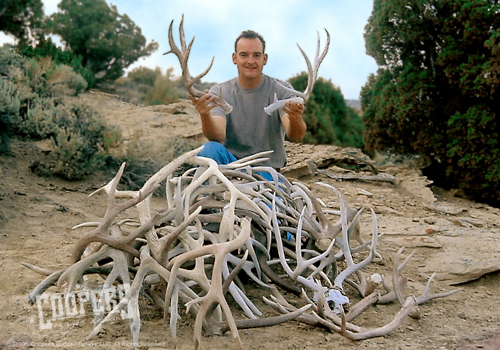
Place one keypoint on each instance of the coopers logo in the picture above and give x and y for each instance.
(53, 307)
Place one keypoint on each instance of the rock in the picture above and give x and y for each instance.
(443, 208)
(416, 184)
(415, 241)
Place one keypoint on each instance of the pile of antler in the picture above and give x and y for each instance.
(217, 222)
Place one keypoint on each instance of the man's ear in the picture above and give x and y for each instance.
(265, 58)
(234, 58)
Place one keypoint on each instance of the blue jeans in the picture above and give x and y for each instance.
(222, 156)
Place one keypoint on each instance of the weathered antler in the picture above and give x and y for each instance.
(205, 227)
(215, 293)
(302, 97)
(183, 56)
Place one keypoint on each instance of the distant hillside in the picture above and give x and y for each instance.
(354, 104)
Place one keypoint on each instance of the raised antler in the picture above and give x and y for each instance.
(302, 97)
(183, 56)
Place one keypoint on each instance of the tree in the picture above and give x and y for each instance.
(46, 48)
(22, 19)
(436, 91)
(329, 120)
(106, 41)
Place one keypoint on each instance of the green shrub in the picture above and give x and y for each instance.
(145, 158)
(72, 157)
(80, 142)
(8, 60)
(38, 84)
(329, 120)
(436, 92)
(9, 112)
(46, 48)
(62, 80)
(163, 92)
(13, 69)
(31, 107)
(144, 76)
(35, 83)
(474, 152)
(36, 75)
(150, 87)
(39, 121)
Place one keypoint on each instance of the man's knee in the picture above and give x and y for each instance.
(211, 147)
(217, 152)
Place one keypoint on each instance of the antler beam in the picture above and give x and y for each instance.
(183, 56)
(302, 97)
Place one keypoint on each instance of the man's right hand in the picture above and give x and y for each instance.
(213, 126)
(204, 104)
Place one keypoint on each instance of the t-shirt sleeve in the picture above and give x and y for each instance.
(282, 93)
(215, 90)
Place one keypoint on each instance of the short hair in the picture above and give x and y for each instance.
(250, 34)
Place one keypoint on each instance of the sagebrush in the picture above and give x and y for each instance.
(33, 107)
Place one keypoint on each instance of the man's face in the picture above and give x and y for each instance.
(249, 58)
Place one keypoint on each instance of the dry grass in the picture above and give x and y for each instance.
(145, 157)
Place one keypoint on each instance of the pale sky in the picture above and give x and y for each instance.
(282, 23)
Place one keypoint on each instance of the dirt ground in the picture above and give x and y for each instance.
(457, 239)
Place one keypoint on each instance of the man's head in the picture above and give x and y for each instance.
(250, 34)
(249, 56)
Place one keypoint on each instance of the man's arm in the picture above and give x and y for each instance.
(295, 127)
(213, 126)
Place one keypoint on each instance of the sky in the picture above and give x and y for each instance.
(283, 24)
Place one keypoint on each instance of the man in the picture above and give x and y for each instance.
(248, 129)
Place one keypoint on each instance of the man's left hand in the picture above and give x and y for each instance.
(294, 110)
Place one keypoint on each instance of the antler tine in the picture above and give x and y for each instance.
(327, 46)
(188, 81)
(318, 46)
(190, 84)
(313, 72)
(183, 56)
(312, 77)
(173, 48)
(182, 36)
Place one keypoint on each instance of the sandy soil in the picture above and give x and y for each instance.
(457, 239)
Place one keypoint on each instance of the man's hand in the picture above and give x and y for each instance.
(293, 123)
(213, 126)
(204, 104)
(294, 110)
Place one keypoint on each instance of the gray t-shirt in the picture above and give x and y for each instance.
(249, 129)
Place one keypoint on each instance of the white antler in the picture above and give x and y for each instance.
(302, 97)
(183, 56)
(213, 214)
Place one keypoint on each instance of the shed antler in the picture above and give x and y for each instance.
(183, 56)
(302, 97)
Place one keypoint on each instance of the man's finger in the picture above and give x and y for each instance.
(206, 99)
